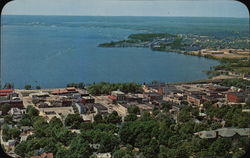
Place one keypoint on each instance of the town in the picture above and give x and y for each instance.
(205, 110)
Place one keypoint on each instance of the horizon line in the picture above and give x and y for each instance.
(126, 16)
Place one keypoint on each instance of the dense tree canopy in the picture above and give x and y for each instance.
(106, 88)
(150, 136)
(73, 121)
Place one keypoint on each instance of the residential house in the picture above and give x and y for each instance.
(206, 134)
(99, 108)
(1, 121)
(145, 107)
(6, 92)
(224, 132)
(196, 100)
(153, 96)
(103, 155)
(119, 96)
(16, 114)
(236, 97)
(81, 108)
(87, 99)
(218, 88)
(39, 95)
(13, 103)
(133, 98)
(10, 145)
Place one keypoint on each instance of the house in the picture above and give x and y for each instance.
(119, 96)
(224, 132)
(83, 92)
(243, 131)
(153, 96)
(76, 95)
(236, 97)
(87, 99)
(13, 103)
(122, 108)
(26, 128)
(13, 95)
(246, 77)
(133, 98)
(25, 135)
(6, 92)
(16, 114)
(159, 87)
(71, 90)
(145, 107)
(10, 144)
(99, 108)
(206, 134)
(196, 100)
(42, 105)
(159, 103)
(59, 92)
(175, 111)
(209, 99)
(81, 108)
(39, 95)
(103, 155)
(218, 88)
(1, 121)
(66, 102)
(167, 89)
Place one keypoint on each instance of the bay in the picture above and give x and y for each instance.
(52, 51)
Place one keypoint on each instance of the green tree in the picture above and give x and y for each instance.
(8, 119)
(113, 118)
(55, 122)
(80, 148)
(134, 110)
(27, 87)
(167, 106)
(184, 115)
(8, 86)
(32, 111)
(122, 153)
(5, 108)
(15, 133)
(25, 120)
(73, 121)
(5, 132)
(21, 149)
(130, 117)
(108, 142)
(152, 149)
(220, 146)
(98, 118)
(86, 126)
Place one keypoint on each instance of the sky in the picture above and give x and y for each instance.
(200, 8)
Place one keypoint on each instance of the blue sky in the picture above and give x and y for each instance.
(201, 8)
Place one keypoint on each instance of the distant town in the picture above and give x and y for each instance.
(231, 51)
(118, 119)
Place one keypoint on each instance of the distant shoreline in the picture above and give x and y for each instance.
(128, 16)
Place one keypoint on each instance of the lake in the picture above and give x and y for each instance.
(52, 51)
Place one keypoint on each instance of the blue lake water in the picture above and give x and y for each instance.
(52, 51)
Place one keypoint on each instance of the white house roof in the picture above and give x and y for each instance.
(206, 134)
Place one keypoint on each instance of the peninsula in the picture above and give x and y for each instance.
(232, 51)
